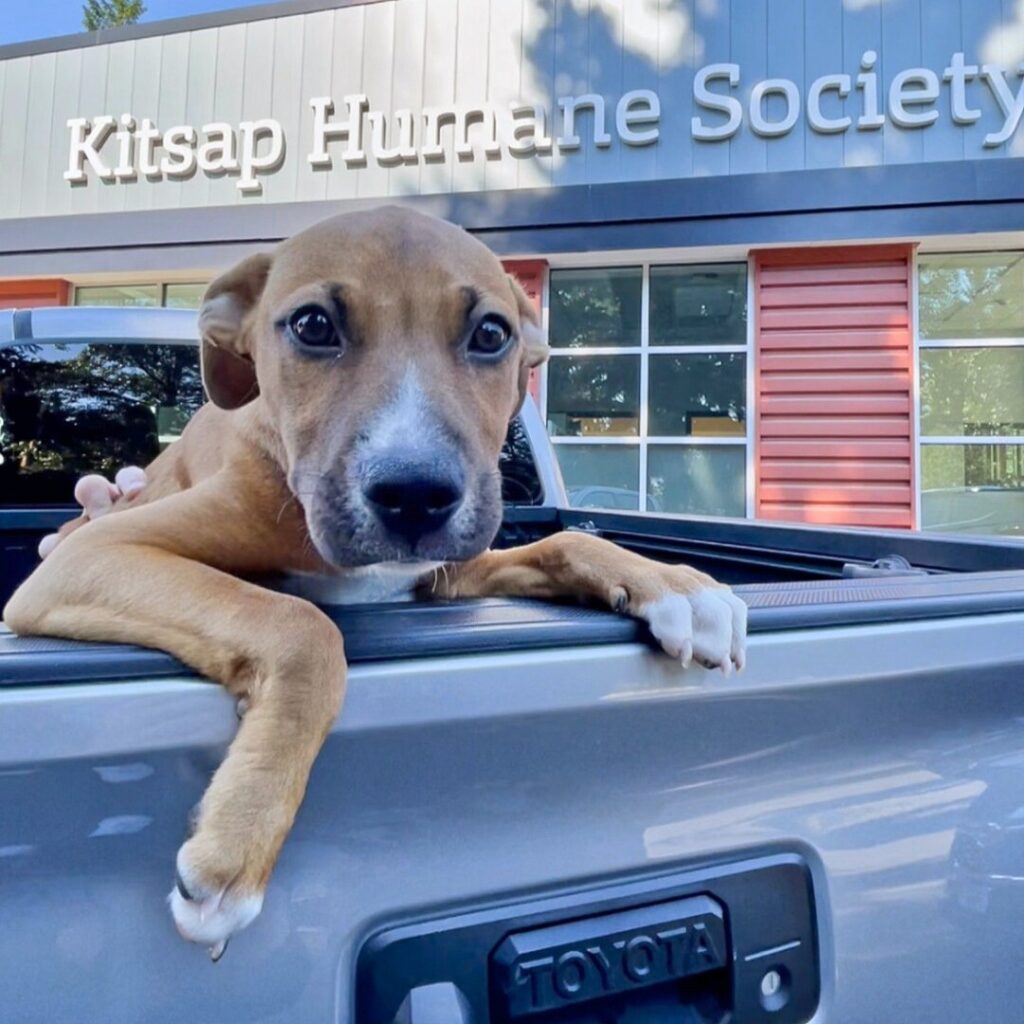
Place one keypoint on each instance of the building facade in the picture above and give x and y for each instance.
(778, 245)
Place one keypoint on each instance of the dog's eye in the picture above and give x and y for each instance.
(313, 327)
(490, 337)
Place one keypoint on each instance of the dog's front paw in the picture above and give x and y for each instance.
(709, 626)
(214, 896)
(691, 616)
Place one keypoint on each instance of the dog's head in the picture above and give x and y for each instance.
(388, 351)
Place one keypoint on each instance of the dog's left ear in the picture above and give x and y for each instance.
(529, 326)
(229, 373)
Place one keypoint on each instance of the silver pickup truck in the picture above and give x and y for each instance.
(524, 813)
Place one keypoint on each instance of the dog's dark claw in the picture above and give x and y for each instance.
(179, 884)
(621, 601)
(217, 951)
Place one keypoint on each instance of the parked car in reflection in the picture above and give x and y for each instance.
(610, 497)
(987, 852)
(994, 511)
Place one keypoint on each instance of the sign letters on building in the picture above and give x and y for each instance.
(351, 132)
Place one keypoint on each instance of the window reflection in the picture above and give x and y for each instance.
(595, 307)
(119, 295)
(601, 476)
(187, 295)
(69, 409)
(699, 305)
(184, 296)
(971, 295)
(594, 395)
(975, 488)
(697, 479)
(703, 395)
(972, 392)
(644, 390)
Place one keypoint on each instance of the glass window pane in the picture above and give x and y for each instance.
(184, 296)
(601, 475)
(119, 295)
(702, 395)
(594, 395)
(69, 409)
(697, 479)
(699, 305)
(973, 488)
(972, 392)
(594, 307)
(971, 295)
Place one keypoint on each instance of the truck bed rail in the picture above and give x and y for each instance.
(389, 632)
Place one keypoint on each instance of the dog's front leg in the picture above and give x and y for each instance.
(692, 615)
(133, 578)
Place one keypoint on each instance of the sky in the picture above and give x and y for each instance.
(41, 18)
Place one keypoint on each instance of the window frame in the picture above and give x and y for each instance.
(922, 440)
(644, 351)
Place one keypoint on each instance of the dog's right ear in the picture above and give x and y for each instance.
(229, 373)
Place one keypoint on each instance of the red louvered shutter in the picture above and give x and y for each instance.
(834, 362)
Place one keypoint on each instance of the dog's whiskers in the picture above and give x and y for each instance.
(286, 503)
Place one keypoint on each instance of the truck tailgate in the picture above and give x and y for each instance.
(888, 755)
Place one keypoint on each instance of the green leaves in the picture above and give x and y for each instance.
(97, 14)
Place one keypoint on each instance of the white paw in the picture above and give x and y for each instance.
(709, 626)
(209, 917)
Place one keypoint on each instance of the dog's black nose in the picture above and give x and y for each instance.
(412, 501)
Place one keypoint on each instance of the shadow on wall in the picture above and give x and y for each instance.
(573, 48)
(610, 47)
(1004, 45)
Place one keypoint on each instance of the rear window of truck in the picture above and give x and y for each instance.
(69, 408)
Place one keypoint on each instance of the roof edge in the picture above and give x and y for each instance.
(172, 26)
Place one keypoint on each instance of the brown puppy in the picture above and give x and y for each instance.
(362, 379)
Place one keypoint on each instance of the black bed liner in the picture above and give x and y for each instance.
(376, 633)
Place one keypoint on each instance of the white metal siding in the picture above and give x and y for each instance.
(416, 53)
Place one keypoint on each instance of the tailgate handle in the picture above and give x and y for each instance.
(609, 957)
(732, 942)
